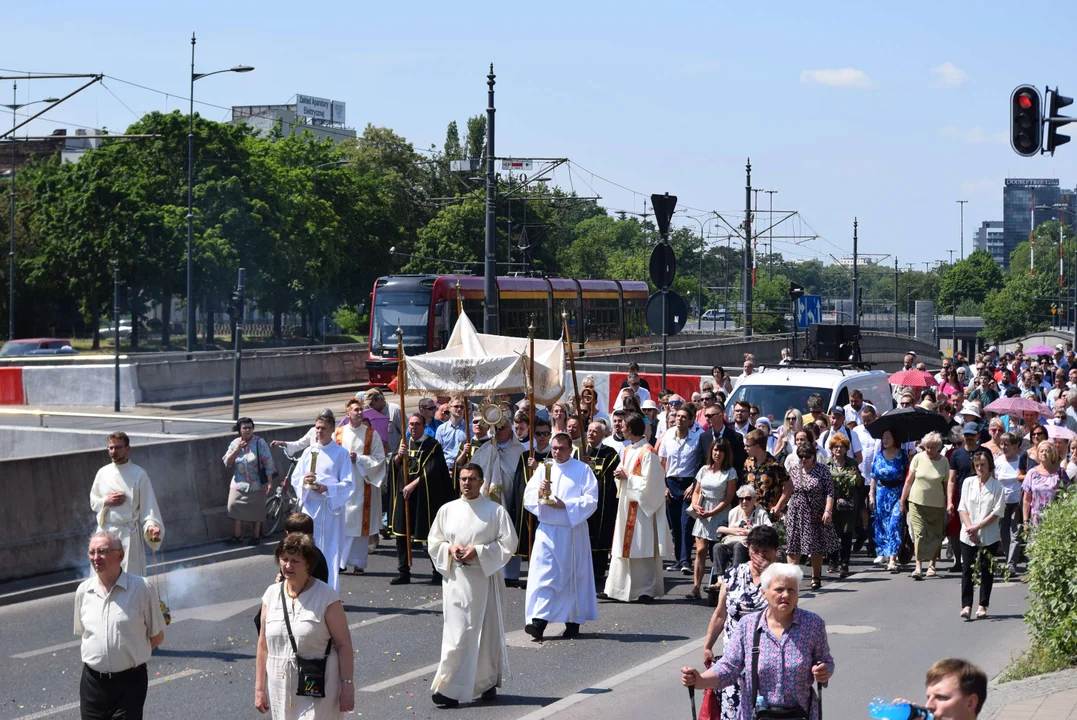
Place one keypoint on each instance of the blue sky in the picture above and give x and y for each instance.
(887, 112)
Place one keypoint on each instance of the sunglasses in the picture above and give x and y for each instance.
(676, 403)
(712, 415)
(539, 433)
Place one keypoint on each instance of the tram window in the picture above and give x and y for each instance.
(602, 319)
(442, 324)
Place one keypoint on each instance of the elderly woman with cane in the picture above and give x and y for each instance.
(775, 655)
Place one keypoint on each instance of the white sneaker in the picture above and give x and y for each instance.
(880, 560)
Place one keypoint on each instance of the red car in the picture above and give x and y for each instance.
(37, 346)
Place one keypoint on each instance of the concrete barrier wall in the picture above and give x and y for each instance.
(92, 385)
(191, 379)
(48, 516)
(20, 441)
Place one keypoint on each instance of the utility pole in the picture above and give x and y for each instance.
(770, 241)
(895, 295)
(489, 287)
(747, 274)
(961, 204)
(116, 336)
(856, 278)
(237, 367)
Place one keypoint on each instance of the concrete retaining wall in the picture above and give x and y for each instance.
(20, 441)
(48, 516)
(92, 385)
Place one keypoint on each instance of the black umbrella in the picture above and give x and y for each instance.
(908, 424)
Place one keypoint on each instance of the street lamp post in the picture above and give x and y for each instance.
(190, 192)
(702, 249)
(15, 105)
(961, 204)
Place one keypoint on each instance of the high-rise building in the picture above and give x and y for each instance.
(1019, 198)
(989, 238)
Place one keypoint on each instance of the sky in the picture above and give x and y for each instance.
(886, 112)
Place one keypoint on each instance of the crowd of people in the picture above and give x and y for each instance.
(594, 502)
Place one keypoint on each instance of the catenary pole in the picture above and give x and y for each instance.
(489, 287)
(747, 272)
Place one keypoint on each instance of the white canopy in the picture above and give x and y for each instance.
(479, 364)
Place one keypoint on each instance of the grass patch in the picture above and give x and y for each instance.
(1034, 661)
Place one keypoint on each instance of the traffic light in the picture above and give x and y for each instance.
(1055, 121)
(235, 304)
(1026, 120)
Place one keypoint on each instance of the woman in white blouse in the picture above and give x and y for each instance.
(983, 502)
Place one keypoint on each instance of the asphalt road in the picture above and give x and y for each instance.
(884, 630)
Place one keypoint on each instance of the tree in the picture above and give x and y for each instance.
(453, 150)
(970, 279)
(1013, 311)
(476, 136)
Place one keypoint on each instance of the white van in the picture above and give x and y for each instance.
(776, 388)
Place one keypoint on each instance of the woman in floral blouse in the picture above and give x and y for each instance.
(794, 652)
(252, 479)
(1043, 482)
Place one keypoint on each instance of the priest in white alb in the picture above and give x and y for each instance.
(362, 514)
(500, 459)
(560, 578)
(641, 535)
(470, 541)
(323, 481)
(123, 501)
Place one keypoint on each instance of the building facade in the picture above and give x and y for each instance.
(1021, 200)
(989, 237)
(265, 117)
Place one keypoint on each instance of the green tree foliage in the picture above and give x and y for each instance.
(1052, 581)
(970, 279)
(1013, 310)
(476, 136)
(453, 150)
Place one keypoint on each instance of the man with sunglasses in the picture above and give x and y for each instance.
(452, 434)
(706, 400)
(719, 430)
(633, 384)
(428, 408)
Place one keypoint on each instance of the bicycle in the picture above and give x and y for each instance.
(282, 503)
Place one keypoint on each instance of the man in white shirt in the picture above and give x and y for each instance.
(680, 454)
(635, 388)
(119, 619)
(837, 425)
(869, 446)
(741, 423)
(617, 439)
(852, 410)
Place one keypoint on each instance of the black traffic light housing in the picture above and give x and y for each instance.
(1055, 121)
(235, 303)
(1026, 121)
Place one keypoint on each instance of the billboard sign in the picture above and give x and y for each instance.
(315, 108)
(337, 112)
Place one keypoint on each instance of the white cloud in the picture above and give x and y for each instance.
(836, 77)
(948, 75)
(974, 135)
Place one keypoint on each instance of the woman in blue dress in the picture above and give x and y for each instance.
(887, 479)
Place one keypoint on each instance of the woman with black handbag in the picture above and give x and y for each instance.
(304, 663)
(776, 655)
(253, 473)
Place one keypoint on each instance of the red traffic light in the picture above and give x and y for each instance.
(1024, 101)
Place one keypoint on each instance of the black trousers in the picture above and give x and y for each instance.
(113, 696)
(987, 575)
(600, 560)
(402, 556)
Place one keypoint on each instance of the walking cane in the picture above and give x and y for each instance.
(692, 698)
(400, 380)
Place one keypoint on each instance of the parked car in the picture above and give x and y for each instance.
(37, 346)
(106, 331)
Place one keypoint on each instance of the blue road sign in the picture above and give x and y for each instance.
(809, 310)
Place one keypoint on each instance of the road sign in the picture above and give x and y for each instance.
(513, 164)
(809, 310)
(663, 205)
(677, 313)
(663, 265)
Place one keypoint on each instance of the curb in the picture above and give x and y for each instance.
(1001, 695)
(70, 584)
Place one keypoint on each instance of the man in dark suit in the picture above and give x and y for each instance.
(716, 416)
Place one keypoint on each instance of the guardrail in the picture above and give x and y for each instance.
(42, 414)
(151, 357)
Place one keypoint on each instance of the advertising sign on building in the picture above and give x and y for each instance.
(312, 107)
(1031, 182)
(337, 114)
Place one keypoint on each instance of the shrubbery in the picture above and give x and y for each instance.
(1052, 579)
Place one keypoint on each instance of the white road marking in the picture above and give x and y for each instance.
(390, 616)
(850, 629)
(378, 687)
(208, 613)
(610, 683)
(74, 705)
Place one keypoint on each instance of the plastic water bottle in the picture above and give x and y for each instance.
(887, 710)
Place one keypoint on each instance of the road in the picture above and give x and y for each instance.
(885, 630)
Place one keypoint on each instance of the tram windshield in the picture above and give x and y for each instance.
(407, 310)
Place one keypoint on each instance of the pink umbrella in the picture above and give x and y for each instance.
(1039, 350)
(913, 378)
(1060, 431)
(1017, 406)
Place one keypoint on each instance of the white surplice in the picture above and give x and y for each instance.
(362, 513)
(641, 536)
(498, 462)
(334, 470)
(560, 576)
(474, 656)
(133, 518)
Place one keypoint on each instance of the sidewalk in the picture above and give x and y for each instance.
(1044, 697)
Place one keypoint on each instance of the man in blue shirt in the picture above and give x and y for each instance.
(452, 435)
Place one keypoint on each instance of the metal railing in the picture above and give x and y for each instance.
(42, 414)
(151, 357)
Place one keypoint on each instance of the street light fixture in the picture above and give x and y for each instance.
(702, 249)
(191, 322)
(13, 106)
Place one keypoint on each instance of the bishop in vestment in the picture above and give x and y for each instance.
(470, 541)
(420, 485)
(641, 534)
(324, 487)
(122, 499)
(560, 579)
(603, 460)
(362, 514)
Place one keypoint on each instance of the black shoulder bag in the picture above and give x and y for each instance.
(311, 672)
(773, 713)
(263, 474)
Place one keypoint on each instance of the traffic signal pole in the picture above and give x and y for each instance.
(748, 249)
(238, 364)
